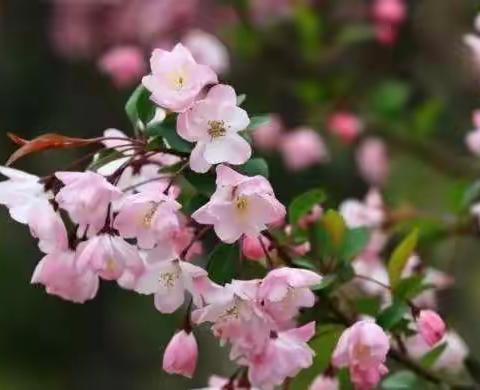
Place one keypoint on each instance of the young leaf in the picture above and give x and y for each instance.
(254, 167)
(222, 263)
(401, 380)
(355, 240)
(304, 203)
(203, 183)
(139, 107)
(400, 256)
(392, 315)
(335, 226)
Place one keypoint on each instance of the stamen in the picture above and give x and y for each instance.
(217, 129)
(148, 218)
(241, 203)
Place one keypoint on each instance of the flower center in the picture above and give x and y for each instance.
(178, 79)
(241, 203)
(168, 279)
(148, 217)
(216, 129)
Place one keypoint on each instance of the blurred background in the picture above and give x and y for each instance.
(68, 66)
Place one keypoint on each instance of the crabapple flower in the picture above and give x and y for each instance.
(373, 161)
(181, 354)
(267, 137)
(252, 249)
(168, 280)
(472, 139)
(285, 354)
(86, 197)
(59, 274)
(303, 148)
(388, 16)
(208, 50)
(363, 348)
(176, 79)
(124, 65)
(431, 326)
(345, 125)
(109, 257)
(322, 382)
(151, 218)
(369, 213)
(20, 193)
(213, 124)
(240, 205)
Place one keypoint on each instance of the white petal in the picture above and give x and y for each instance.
(231, 148)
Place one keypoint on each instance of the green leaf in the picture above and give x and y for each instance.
(400, 256)
(168, 131)
(390, 98)
(323, 344)
(326, 283)
(302, 262)
(103, 159)
(355, 33)
(426, 117)
(257, 121)
(254, 167)
(222, 263)
(335, 226)
(401, 380)
(368, 306)
(304, 203)
(409, 288)
(471, 195)
(194, 204)
(354, 242)
(431, 357)
(139, 106)
(203, 183)
(392, 315)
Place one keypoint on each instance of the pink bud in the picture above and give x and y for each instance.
(303, 148)
(431, 327)
(252, 248)
(389, 11)
(373, 162)
(345, 125)
(267, 136)
(124, 65)
(181, 354)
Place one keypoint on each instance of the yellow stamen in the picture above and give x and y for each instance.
(148, 217)
(217, 129)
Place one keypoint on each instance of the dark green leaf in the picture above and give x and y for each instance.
(203, 183)
(168, 131)
(392, 315)
(430, 358)
(471, 195)
(222, 263)
(409, 288)
(354, 242)
(302, 262)
(327, 282)
(194, 204)
(401, 380)
(390, 98)
(400, 256)
(254, 167)
(368, 306)
(139, 106)
(304, 203)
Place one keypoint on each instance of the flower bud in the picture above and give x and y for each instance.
(431, 327)
(252, 248)
(181, 354)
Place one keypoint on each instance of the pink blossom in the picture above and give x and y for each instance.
(386, 33)
(213, 124)
(345, 125)
(176, 78)
(285, 354)
(181, 354)
(169, 280)
(389, 11)
(60, 276)
(252, 249)
(431, 327)
(267, 137)
(208, 50)
(363, 348)
(21, 193)
(303, 148)
(323, 382)
(151, 218)
(373, 161)
(109, 257)
(86, 197)
(369, 213)
(472, 139)
(182, 238)
(473, 42)
(124, 64)
(240, 205)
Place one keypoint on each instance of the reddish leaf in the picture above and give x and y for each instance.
(44, 142)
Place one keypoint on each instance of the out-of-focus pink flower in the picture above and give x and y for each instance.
(285, 354)
(373, 161)
(313, 216)
(346, 125)
(207, 49)
(176, 79)
(369, 213)
(109, 257)
(181, 354)
(472, 139)
(60, 276)
(252, 248)
(323, 382)
(124, 65)
(268, 11)
(268, 136)
(303, 148)
(86, 197)
(240, 205)
(182, 238)
(151, 218)
(452, 358)
(431, 326)
(363, 348)
(169, 280)
(389, 11)
(386, 33)
(213, 124)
